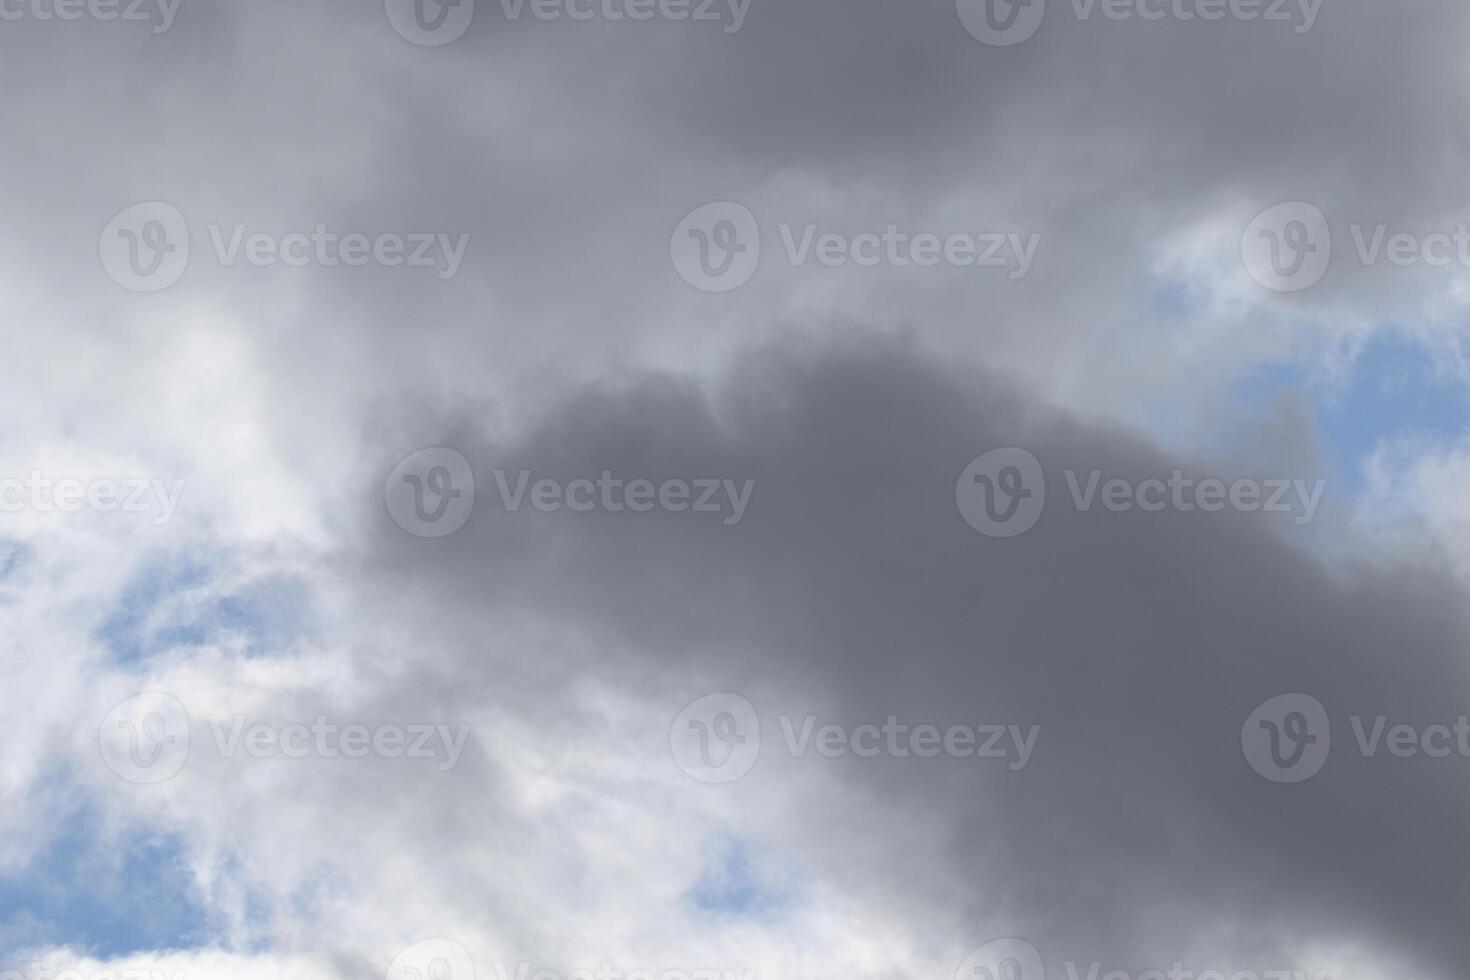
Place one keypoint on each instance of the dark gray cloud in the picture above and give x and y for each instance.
(1139, 642)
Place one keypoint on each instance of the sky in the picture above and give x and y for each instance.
(734, 490)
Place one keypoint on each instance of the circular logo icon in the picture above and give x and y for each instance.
(146, 739)
(1002, 493)
(716, 739)
(1003, 959)
(717, 247)
(433, 959)
(1287, 248)
(1001, 22)
(431, 23)
(145, 248)
(1287, 738)
(431, 493)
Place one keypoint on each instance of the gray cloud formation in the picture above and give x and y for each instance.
(850, 586)
(1138, 642)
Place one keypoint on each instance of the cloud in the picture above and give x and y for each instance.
(830, 409)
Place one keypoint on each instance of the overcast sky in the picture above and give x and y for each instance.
(734, 490)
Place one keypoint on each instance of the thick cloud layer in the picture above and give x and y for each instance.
(549, 162)
(1138, 642)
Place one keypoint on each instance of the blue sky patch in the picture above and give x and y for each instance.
(734, 882)
(266, 614)
(109, 899)
(1396, 391)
